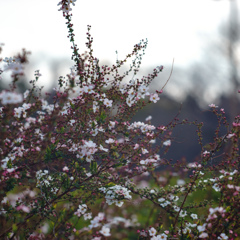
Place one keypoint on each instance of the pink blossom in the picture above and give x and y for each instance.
(23, 208)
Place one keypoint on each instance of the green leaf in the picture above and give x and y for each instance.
(14, 227)
(102, 117)
(111, 184)
(93, 167)
(9, 164)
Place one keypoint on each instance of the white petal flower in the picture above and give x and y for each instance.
(25, 94)
(223, 236)
(144, 151)
(107, 103)
(183, 213)
(10, 97)
(110, 140)
(202, 228)
(131, 94)
(102, 148)
(161, 199)
(143, 89)
(130, 101)
(176, 208)
(180, 182)
(216, 187)
(65, 169)
(152, 231)
(87, 216)
(167, 143)
(162, 236)
(105, 231)
(148, 118)
(154, 98)
(119, 204)
(194, 216)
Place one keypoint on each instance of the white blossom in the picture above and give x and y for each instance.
(105, 231)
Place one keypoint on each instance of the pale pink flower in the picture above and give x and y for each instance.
(212, 105)
(144, 151)
(230, 135)
(65, 169)
(10, 97)
(202, 228)
(203, 235)
(110, 140)
(223, 236)
(23, 208)
(154, 97)
(136, 146)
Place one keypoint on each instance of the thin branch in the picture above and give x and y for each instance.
(169, 75)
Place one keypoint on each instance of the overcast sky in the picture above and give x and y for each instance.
(176, 29)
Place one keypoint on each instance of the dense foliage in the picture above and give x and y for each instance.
(75, 165)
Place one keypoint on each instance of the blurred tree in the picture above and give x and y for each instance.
(218, 73)
(231, 36)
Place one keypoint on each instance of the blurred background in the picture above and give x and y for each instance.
(202, 36)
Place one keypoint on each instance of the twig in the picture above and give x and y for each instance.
(169, 76)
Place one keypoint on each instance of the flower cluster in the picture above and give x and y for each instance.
(44, 180)
(82, 210)
(116, 193)
(66, 5)
(10, 97)
(152, 233)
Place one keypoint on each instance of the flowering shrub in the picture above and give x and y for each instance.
(75, 167)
